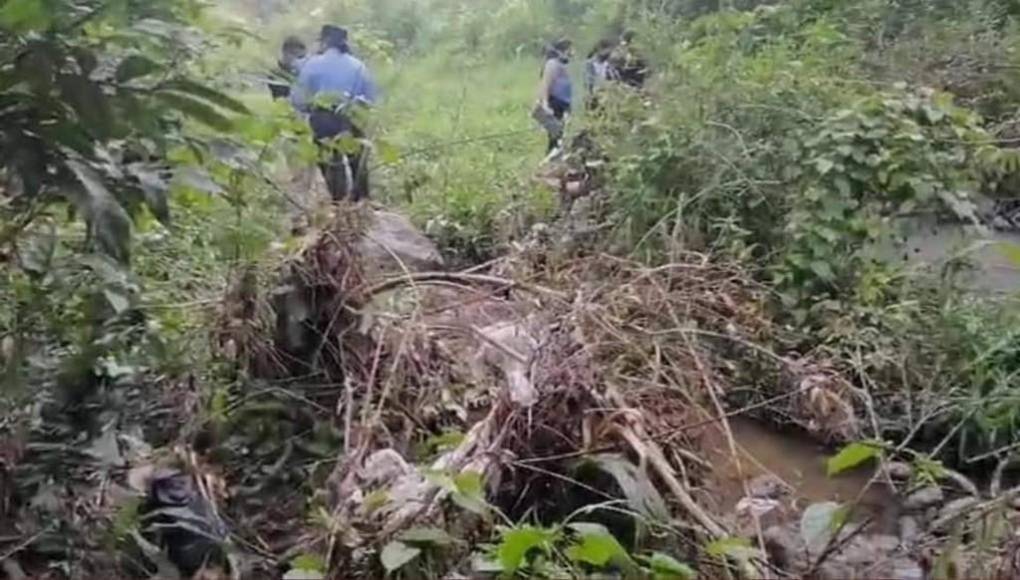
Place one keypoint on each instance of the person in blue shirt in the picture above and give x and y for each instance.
(328, 86)
(555, 91)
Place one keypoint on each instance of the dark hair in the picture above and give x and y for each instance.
(294, 44)
(335, 37)
(628, 36)
(601, 45)
(558, 48)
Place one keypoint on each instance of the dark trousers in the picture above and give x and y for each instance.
(560, 110)
(344, 165)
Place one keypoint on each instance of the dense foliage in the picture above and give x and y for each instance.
(143, 178)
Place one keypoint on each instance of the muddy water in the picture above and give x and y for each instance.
(929, 246)
(797, 462)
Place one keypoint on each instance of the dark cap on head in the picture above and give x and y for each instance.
(293, 44)
(333, 36)
(562, 44)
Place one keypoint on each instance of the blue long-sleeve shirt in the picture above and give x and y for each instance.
(335, 75)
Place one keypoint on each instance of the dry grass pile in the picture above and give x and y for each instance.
(520, 371)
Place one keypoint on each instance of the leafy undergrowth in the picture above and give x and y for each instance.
(248, 404)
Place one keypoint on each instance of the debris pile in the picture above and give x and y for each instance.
(380, 398)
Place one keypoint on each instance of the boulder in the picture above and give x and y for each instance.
(392, 245)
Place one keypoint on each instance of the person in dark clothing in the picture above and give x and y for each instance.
(555, 92)
(631, 67)
(329, 85)
(598, 71)
(292, 55)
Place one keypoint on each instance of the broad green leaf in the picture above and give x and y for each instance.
(117, 301)
(823, 270)
(88, 101)
(446, 441)
(306, 567)
(518, 542)
(428, 536)
(199, 180)
(736, 548)
(641, 494)
(396, 555)
(24, 15)
(208, 94)
(135, 66)
(36, 254)
(820, 523)
(347, 144)
(597, 547)
(197, 109)
(666, 567)
(470, 492)
(470, 483)
(109, 224)
(852, 456)
(376, 500)
(155, 191)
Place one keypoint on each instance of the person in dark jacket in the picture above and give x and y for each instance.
(293, 55)
(329, 86)
(630, 66)
(598, 71)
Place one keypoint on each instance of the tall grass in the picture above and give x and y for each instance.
(467, 148)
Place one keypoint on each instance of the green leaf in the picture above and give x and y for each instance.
(117, 301)
(36, 254)
(597, 546)
(517, 542)
(736, 548)
(346, 144)
(208, 94)
(89, 102)
(306, 567)
(427, 536)
(155, 191)
(470, 483)
(196, 109)
(824, 166)
(852, 456)
(819, 524)
(823, 270)
(470, 492)
(198, 179)
(396, 555)
(446, 441)
(135, 66)
(109, 224)
(641, 494)
(376, 500)
(666, 567)
(25, 15)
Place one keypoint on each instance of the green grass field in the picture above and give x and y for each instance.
(468, 148)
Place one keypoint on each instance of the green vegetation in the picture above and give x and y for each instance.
(781, 150)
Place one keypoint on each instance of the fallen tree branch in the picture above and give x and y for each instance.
(426, 277)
